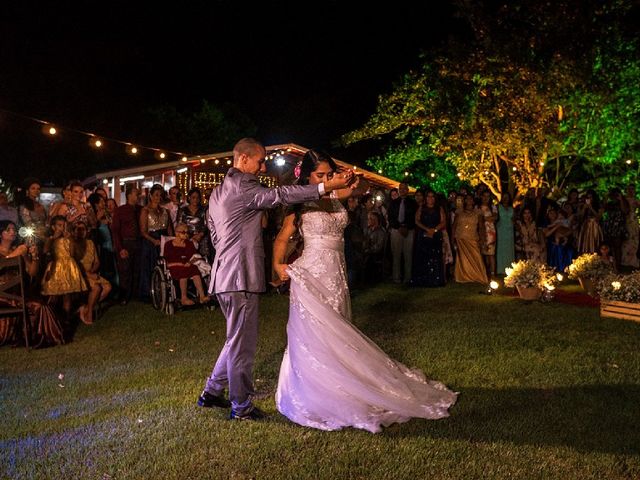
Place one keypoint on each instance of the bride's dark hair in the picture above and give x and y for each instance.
(308, 165)
(310, 162)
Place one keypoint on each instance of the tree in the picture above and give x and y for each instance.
(521, 110)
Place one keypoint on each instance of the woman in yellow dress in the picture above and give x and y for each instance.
(63, 275)
(85, 253)
(467, 231)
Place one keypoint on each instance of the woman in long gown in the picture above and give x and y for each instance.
(505, 252)
(333, 376)
(428, 267)
(467, 232)
(630, 245)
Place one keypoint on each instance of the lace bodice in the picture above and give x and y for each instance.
(320, 222)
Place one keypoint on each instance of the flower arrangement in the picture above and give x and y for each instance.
(528, 273)
(621, 288)
(589, 265)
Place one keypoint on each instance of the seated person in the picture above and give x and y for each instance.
(87, 257)
(45, 327)
(178, 253)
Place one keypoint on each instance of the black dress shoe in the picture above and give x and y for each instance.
(208, 400)
(254, 414)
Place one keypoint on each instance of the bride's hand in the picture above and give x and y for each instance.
(281, 270)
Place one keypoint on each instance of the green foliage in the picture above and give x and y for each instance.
(424, 168)
(545, 99)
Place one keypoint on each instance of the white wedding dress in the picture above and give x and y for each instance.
(333, 376)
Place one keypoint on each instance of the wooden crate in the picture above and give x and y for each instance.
(624, 310)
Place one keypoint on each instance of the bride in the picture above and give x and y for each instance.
(333, 376)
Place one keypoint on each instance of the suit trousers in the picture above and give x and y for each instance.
(234, 367)
(402, 254)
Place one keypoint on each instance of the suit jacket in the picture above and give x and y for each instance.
(410, 208)
(234, 221)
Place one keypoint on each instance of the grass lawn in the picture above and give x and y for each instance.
(547, 391)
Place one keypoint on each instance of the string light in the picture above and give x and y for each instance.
(380, 171)
(628, 162)
(433, 175)
(228, 162)
(94, 140)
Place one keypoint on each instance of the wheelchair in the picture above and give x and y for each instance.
(164, 289)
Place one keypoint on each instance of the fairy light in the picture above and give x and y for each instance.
(406, 174)
(380, 171)
(105, 182)
(52, 130)
(228, 162)
(134, 150)
(560, 277)
(98, 143)
(162, 155)
(184, 159)
(216, 161)
(628, 162)
(514, 169)
(542, 164)
(616, 285)
(202, 161)
(433, 175)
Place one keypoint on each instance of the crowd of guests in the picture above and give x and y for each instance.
(429, 239)
(86, 249)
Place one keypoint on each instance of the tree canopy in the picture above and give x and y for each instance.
(520, 114)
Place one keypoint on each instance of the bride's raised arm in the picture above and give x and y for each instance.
(280, 246)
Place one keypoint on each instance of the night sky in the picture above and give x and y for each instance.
(302, 76)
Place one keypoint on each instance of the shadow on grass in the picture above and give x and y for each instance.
(597, 418)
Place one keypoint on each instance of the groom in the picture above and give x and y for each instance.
(238, 273)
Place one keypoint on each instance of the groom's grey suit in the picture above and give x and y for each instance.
(238, 273)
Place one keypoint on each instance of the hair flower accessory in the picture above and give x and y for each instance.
(297, 169)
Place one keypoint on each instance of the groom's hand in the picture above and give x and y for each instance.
(338, 181)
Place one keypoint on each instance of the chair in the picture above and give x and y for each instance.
(163, 287)
(12, 292)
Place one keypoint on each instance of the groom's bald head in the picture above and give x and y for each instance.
(248, 156)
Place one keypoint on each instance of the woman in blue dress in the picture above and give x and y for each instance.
(505, 253)
(428, 259)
